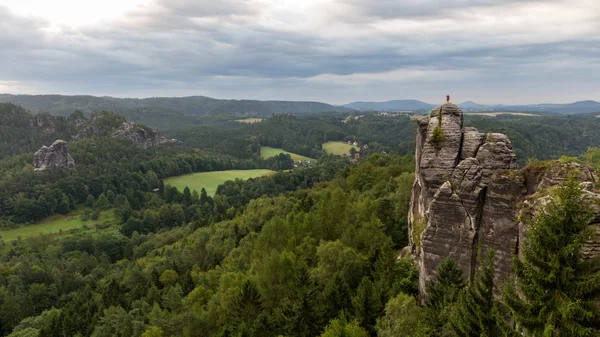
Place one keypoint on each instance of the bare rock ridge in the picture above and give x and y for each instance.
(143, 136)
(466, 194)
(55, 155)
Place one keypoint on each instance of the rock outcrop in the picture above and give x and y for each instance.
(467, 193)
(55, 155)
(143, 136)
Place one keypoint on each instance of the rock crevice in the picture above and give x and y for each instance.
(466, 196)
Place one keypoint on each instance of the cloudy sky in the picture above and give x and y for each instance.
(336, 51)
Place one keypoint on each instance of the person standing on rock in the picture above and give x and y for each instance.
(447, 98)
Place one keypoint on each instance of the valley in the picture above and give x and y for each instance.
(335, 168)
(193, 222)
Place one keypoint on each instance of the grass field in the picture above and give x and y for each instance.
(211, 180)
(249, 120)
(268, 152)
(494, 114)
(338, 148)
(56, 223)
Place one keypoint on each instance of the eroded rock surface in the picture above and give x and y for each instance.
(143, 136)
(467, 193)
(55, 155)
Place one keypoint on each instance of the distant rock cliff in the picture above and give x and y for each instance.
(143, 136)
(56, 155)
(468, 192)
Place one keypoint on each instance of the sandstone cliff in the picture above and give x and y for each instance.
(55, 155)
(143, 136)
(468, 193)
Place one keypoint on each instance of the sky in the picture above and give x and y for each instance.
(334, 51)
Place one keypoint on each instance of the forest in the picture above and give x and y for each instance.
(311, 251)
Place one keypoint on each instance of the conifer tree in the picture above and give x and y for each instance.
(555, 290)
(301, 310)
(248, 305)
(442, 294)
(367, 305)
(475, 312)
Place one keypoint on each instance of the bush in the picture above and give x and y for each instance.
(438, 136)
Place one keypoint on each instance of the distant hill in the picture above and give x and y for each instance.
(187, 106)
(395, 105)
(413, 105)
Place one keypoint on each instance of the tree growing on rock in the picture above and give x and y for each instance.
(555, 289)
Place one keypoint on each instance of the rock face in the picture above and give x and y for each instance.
(466, 194)
(56, 155)
(143, 136)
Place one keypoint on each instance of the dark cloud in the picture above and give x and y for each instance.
(423, 8)
(255, 49)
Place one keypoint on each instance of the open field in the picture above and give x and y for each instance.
(268, 152)
(415, 117)
(211, 180)
(494, 114)
(249, 120)
(55, 224)
(338, 148)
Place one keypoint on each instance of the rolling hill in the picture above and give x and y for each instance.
(190, 106)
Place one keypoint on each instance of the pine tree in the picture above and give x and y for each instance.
(555, 288)
(102, 203)
(247, 306)
(300, 314)
(475, 312)
(187, 196)
(442, 294)
(367, 305)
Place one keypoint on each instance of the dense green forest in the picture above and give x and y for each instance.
(313, 251)
(303, 134)
(175, 107)
(308, 262)
(544, 137)
(272, 263)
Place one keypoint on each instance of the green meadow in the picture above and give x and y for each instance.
(211, 180)
(57, 223)
(338, 148)
(268, 152)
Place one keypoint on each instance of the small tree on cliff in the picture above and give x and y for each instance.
(555, 288)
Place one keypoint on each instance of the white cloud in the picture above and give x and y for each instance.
(324, 49)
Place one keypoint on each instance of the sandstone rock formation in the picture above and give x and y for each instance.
(467, 193)
(143, 136)
(56, 155)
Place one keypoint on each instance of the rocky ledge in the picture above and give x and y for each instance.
(467, 194)
(143, 136)
(55, 155)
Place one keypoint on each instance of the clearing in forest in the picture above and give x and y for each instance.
(249, 120)
(56, 223)
(211, 180)
(338, 148)
(268, 152)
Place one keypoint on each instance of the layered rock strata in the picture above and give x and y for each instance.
(143, 136)
(467, 193)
